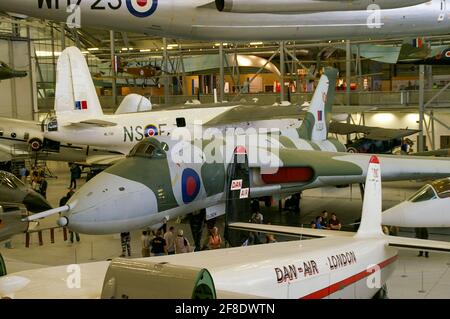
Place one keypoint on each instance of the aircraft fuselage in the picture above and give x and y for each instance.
(200, 19)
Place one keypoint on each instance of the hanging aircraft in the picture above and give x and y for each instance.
(226, 20)
(428, 207)
(339, 265)
(6, 72)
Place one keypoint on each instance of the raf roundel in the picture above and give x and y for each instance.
(150, 130)
(142, 8)
(190, 185)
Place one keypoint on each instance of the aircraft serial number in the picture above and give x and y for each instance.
(96, 4)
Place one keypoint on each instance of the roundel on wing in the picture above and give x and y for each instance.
(190, 185)
(142, 8)
(150, 130)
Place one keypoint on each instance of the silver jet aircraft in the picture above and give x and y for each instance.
(239, 20)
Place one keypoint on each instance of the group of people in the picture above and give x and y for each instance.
(158, 244)
(323, 222)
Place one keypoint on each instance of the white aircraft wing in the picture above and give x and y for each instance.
(394, 241)
(93, 122)
(418, 244)
(290, 230)
(5, 152)
(5, 155)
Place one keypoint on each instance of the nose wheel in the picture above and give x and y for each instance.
(382, 293)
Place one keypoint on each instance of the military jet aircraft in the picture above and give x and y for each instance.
(339, 265)
(163, 185)
(13, 190)
(7, 73)
(242, 20)
(428, 207)
(11, 223)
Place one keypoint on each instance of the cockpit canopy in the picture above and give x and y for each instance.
(9, 180)
(437, 189)
(442, 187)
(149, 148)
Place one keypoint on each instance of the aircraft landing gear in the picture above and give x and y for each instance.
(196, 222)
(3, 271)
(382, 293)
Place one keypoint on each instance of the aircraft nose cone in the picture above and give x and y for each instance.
(110, 204)
(36, 203)
(394, 216)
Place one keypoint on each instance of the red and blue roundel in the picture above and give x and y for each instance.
(142, 8)
(190, 185)
(150, 130)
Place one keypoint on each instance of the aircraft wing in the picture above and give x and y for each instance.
(418, 244)
(250, 113)
(290, 230)
(93, 122)
(374, 133)
(103, 160)
(394, 241)
(5, 152)
(295, 170)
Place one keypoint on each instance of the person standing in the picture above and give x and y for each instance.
(170, 240)
(215, 241)
(159, 245)
(125, 239)
(422, 233)
(182, 245)
(75, 173)
(145, 239)
(42, 185)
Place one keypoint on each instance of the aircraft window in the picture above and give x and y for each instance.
(442, 187)
(146, 149)
(1, 132)
(149, 152)
(425, 193)
(13, 135)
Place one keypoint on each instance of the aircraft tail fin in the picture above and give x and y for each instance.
(75, 95)
(317, 120)
(371, 220)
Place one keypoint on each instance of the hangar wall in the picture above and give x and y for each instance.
(18, 98)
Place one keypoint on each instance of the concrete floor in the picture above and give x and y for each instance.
(414, 277)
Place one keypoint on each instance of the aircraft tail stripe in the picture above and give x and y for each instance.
(327, 291)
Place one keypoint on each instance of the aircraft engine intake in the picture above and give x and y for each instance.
(286, 175)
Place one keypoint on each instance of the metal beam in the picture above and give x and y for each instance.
(421, 105)
(282, 71)
(63, 35)
(113, 68)
(437, 94)
(348, 70)
(165, 73)
(222, 74)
